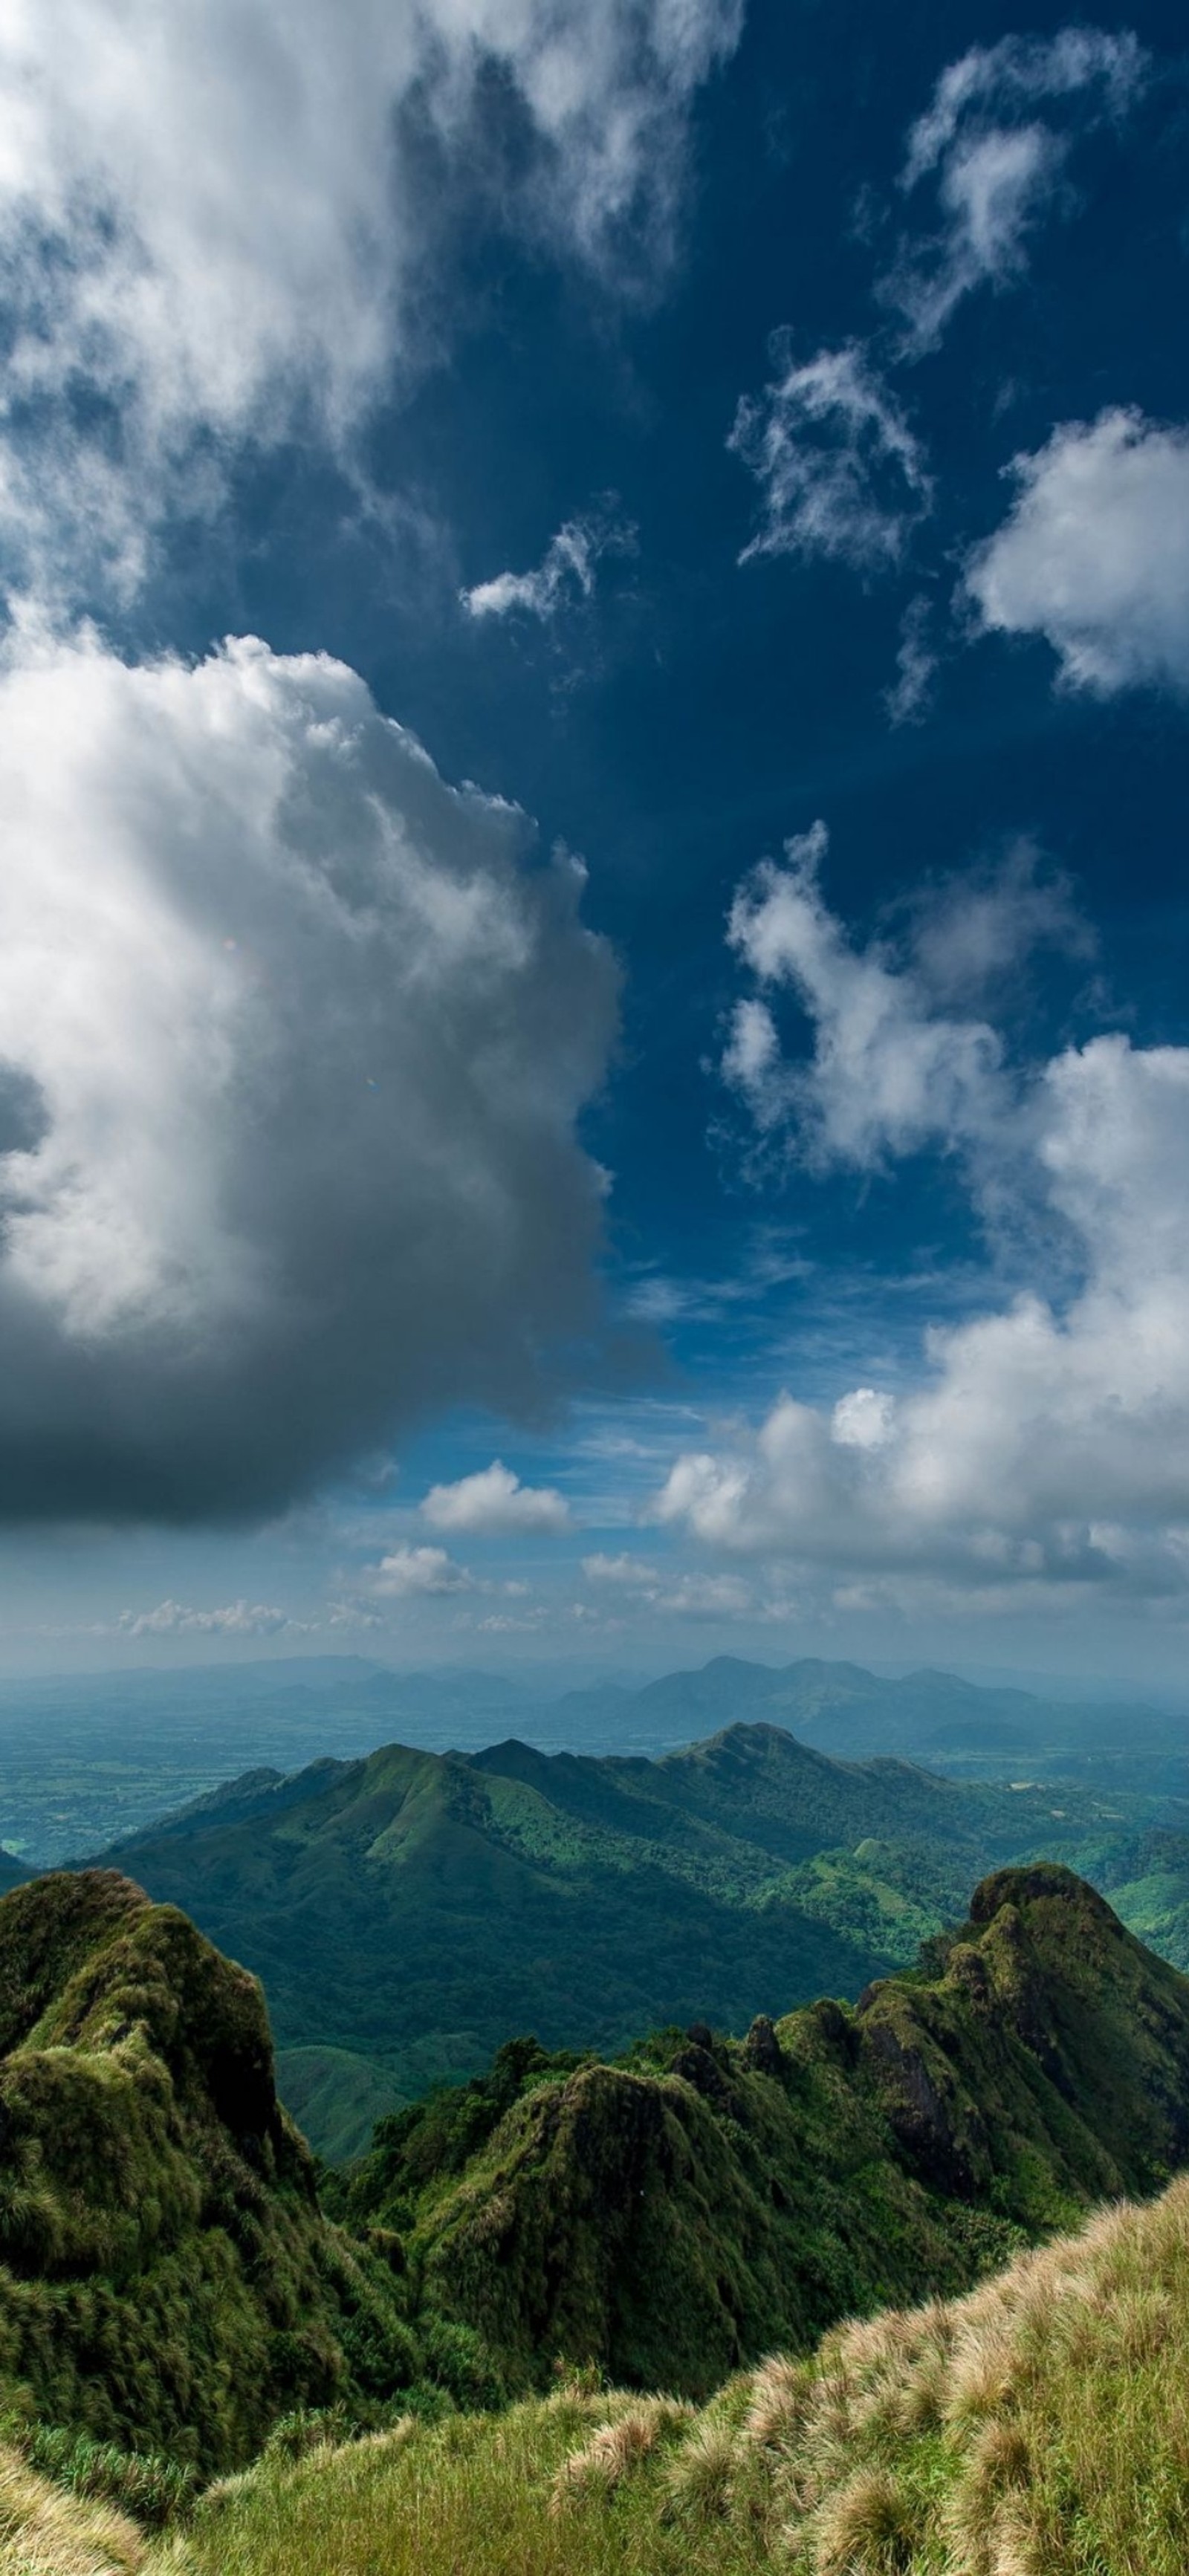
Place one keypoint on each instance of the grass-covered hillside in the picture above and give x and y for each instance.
(167, 2280)
(407, 1912)
(682, 2212)
(1034, 2428)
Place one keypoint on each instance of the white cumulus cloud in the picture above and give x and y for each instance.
(1094, 554)
(839, 469)
(494, 1504)
(218, 220)
(887, 1071)
(294, 1037)
(1043, 1446)
(412, 1570)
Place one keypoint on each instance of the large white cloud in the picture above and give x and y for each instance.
(1044, 1443)
(1094, 554)
(293, 1037)
(216, 218)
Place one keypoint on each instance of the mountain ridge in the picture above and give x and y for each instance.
(626, 1892)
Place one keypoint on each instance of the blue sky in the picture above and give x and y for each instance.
(608, 1079)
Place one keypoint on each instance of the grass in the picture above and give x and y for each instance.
(1034, 2428)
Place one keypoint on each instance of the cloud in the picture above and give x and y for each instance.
(412, 1570)
(1043, 1449)
(998, 166)
(565, 573)
(908, 698)
(220, 224)
(708, 1596)
(887, 1073)
(840, 471)
(296, 1038)
(1094, 554)
(494, 1504)
(631, 1572)
(176, 1619)
(972, 931)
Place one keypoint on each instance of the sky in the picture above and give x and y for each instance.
(594, 733)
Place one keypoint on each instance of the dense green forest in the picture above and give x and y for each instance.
(408, 1911)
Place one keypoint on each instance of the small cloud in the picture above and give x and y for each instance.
(708, 1596)
(631, 1572)
(908, 698)
(178, 1619)
(352, 1614)
(566, 572)
(412, 1570)
(840, 472)
(494, 1504)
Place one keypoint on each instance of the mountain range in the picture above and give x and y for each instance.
(91, 1757)
(706, 2200)
(409, 1911)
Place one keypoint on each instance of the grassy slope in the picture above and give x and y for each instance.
(1035, 2428)
(166, 2277)
(625, 1892)
(683, 2212)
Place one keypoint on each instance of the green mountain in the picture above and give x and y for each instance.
(167, 2280)
(407, 1911)
(707, 2200)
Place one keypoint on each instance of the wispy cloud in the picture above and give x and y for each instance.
(214, 229)
(908, 698)
(566, 572)
(840, 471)
(998, 165)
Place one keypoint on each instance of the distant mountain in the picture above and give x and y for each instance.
(167, 2280)
(87, 1759)
(709, 2200)
(408, 1911)
(928, 1717)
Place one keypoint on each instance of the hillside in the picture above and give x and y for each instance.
(408, 1911)
(166, 2278)
(1034, 2428)
(681, 2213)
